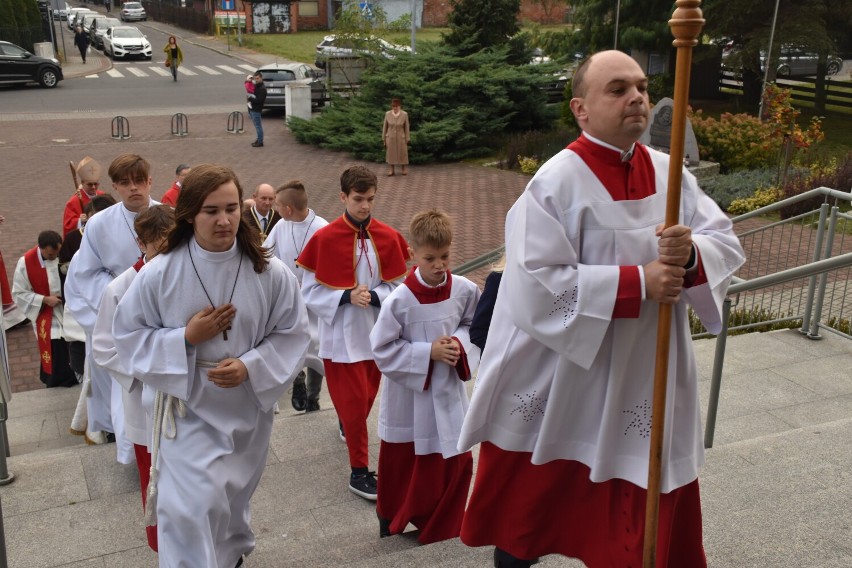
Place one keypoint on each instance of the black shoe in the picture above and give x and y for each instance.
(312, 406)
(384, 526)
(299, 398)
(503, 559)
(340, 427)
(364, 485)
(257, 144)
(110, 438)
(239, 562)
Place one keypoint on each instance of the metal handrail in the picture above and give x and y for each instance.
(824, 191)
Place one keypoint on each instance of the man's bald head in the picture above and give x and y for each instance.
(264, 197)
(610, 98)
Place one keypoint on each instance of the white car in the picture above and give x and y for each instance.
(332, 45)
(74, 15)
(126, 41)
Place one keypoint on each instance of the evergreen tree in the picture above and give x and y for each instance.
(480, 24)
(8, 23)
(459, 105)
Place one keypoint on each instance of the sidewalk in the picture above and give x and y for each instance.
(97, 62)
(776, 487)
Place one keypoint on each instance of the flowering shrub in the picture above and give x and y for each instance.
(736, 141)
(762, 197)
(529, 165)
(742, 141)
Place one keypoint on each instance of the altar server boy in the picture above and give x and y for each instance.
(421, 343)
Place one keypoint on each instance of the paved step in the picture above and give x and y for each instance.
(776, 488)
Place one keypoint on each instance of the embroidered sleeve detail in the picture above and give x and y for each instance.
(565, 304)
(640, 419)
(531, 405)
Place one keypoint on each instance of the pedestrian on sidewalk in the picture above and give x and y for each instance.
(81, 40)
(174, 56)
(256, 100)
(108, 6)
(395, 137)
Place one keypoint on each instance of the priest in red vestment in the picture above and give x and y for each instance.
(89, 177)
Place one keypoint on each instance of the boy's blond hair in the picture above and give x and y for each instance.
(293, 193)
(430, 228)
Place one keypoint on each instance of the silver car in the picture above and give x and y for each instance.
(797, 61)
(133, 12)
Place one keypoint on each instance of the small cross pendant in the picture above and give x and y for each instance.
(225, 333)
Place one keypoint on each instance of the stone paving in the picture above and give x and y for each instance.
(775, 488)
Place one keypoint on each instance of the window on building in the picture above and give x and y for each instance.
(308, 8)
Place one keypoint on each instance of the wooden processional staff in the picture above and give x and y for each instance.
(686, 24)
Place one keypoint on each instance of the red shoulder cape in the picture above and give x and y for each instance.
(330, 253)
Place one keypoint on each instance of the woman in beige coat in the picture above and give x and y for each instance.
(395, 136)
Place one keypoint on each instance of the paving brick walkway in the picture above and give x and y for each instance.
(36, 184)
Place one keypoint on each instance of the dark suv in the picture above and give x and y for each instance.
(17, 65)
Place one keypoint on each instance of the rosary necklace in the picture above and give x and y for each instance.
(126, 222)
(224, 331)
(299, 249)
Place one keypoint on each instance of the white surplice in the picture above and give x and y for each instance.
(344, 331)
(107, 249)
(286, 241)
(210, 470)
(137, 423)
(559, 376)
(402, 344)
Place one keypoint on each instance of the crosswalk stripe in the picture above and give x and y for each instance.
(161, 71)
(206, 69)
(186, 71)
(137, 72)
(230, 70)
(114, 73)
(91, 77)
(247, 67)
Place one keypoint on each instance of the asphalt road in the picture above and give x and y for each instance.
(208, 80)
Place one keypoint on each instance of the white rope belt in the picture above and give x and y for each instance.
(164, 425)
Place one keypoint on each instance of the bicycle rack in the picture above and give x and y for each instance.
(180, 125)
(120, 128)
(235, 122)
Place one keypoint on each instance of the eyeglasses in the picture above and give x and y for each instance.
(92, 183)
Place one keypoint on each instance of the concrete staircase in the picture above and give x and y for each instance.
(776, 489)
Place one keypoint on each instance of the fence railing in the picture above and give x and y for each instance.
(838, 91)
(797, 274)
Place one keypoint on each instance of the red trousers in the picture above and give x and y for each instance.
(534, 510)
(143, 462)
(427, 491)
(353, 388)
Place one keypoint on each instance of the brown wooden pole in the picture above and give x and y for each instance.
(77, 191)
(686, 24)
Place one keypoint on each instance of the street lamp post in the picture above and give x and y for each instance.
(617, 13)
(413, 24)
